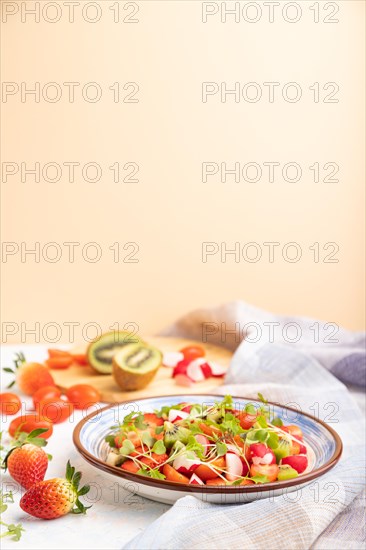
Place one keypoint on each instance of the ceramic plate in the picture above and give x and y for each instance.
(325, 451)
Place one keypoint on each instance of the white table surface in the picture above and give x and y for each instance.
(116, 515)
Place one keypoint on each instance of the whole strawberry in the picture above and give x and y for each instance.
(28, 465)
(26, 461)
(56, 497)
(30, 376)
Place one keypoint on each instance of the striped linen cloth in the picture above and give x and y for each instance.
(327, 515)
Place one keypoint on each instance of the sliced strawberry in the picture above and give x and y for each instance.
(153, 420)
(216, 481)
(210, 470)
(298, 462)
(130, 466)
(268, 470)
(172, 475)
(303, 450)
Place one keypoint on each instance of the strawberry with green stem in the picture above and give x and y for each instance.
(29, 376)
(53, 498)
(26, 461)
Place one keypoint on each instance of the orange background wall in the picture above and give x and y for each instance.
(170, 212)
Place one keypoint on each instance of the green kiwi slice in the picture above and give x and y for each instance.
(135, 365)
(102, 350)
(174, 433)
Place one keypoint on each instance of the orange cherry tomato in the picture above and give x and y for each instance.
(80, 358)
(192, 352)
(9, 403)
(59, 362)
(55, 410)
(45, 393)
(58, 353)
(83, 396)
(29, 422)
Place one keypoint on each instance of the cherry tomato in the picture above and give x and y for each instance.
(192, 352)
(80, 358)
(58, 353)
(55, 410)
(45, 393)
(59, 362)
(9, 403)
(83, 395)
(29, 422)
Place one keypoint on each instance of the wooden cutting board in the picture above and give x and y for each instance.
(163, 383)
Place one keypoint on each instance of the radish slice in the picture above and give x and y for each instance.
(185, 465)
(195, 480)
(171, 358)
(206, 369)
(217, 370)
(232, 449)
(180, 368)
(195, 372)
(234, 467)
(183, 380)
(177, 415)
(202, 439)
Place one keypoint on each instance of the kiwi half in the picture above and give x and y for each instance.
(102, 350)
(135, 365)
(173, 433)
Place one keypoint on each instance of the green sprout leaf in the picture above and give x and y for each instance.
(127, 447)
(221, 448)
(159, 447)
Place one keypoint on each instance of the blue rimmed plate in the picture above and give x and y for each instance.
(324, 450)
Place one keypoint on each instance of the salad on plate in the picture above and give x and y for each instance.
(209, 444)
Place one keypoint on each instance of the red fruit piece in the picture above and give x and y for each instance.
(303, 450)
(216, 481)
(60, 362)
(130, 466)
(83, 396)
(268, 470)
(9, 403)
(30, 376)
(206, 369)
(298, 462)
(56, 497)
(181, 367)
(155, 460)
(211, 471)
(192, 352)
(29, 422)
(293, 430)
(153, 420)
(45, 393)
(183, 380)
(261, 454)
(27, 464)
(172, 475)
(56, 410)
(246, 420)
